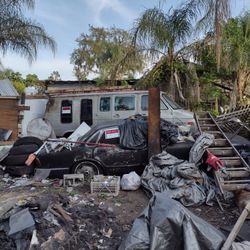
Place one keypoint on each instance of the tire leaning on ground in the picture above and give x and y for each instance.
(23, 149)
(28, 140)
(88, 169)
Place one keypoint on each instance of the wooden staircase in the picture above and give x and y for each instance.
(237, 174)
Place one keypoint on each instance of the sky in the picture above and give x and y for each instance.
(65, 20)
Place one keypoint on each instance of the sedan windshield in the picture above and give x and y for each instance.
(173, 104)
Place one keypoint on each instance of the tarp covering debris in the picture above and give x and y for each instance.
(133, 133)
(200, 146)
(166, 224)
(180, 179)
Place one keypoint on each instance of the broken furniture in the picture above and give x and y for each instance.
(67, 178)
(109, 185)
(238, 171)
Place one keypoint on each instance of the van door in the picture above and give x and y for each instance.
(104, 112)
(124, 106)
(86, 114)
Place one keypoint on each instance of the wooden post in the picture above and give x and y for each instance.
(154, 146)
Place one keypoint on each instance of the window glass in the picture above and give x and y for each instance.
(124, 103)
(66, 111)
(173, 104)
(105, 104)
(94, 137)
(110, 136)
(144, 103)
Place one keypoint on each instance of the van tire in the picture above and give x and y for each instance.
(88, 169)
(15, 160)
(27, 140)
(23, 149)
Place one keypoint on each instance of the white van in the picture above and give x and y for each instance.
(67, 111)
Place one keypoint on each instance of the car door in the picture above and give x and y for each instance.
(117, 160)
(123, 106)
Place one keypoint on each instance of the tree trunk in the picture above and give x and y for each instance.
(171, 64)
(243, 77)
(233, 95)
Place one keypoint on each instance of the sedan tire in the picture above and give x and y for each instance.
(88, 169)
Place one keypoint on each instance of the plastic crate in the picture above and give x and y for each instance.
(109, 185)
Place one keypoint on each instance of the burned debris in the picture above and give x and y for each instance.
(84, 192)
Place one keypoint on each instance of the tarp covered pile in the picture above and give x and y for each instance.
(181, 180)
(166, 224)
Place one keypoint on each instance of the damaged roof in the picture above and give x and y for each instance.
(7, 88)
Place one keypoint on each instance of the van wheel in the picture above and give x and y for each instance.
(88, 169)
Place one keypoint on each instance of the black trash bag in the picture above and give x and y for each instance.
(166, 224)
(134, 133)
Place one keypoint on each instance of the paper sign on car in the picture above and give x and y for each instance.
(112, 133)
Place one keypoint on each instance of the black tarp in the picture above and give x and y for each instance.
(134, 133)
(166, 224)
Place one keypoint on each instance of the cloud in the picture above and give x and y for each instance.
(97, 7)
(42, 68)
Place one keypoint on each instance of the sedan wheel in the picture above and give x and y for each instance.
(88, 169)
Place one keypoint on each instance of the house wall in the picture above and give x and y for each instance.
(9, 115)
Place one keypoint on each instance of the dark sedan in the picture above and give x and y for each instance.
(100, 152)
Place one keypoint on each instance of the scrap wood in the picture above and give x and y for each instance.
(61, 213)
(230, 239)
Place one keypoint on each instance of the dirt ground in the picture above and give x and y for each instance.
(97, 221)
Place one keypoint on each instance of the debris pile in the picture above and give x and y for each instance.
(56, 221)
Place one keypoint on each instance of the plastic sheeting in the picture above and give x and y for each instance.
(200, 146)
(134, 133)
(180, 179)
(166, 224)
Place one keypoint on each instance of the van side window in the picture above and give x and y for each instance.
(105, 104)
(144, 103)
(124, 103)
(66, 111)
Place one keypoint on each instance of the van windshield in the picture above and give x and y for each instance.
(173, 104)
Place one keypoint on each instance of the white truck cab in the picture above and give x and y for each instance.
(67, 111)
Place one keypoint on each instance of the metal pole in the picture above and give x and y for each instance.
(154, 146)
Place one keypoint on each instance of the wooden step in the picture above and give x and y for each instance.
(223, 151)
(208, 127)
(220, 143)
(231, 161)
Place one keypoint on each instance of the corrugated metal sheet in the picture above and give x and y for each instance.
(7, 89)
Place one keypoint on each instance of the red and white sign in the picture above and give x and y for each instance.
(66, 110)
(112, 133)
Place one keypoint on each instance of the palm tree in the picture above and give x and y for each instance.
(20, 34)
(236, 51)
(214, 14)
(161, 33)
